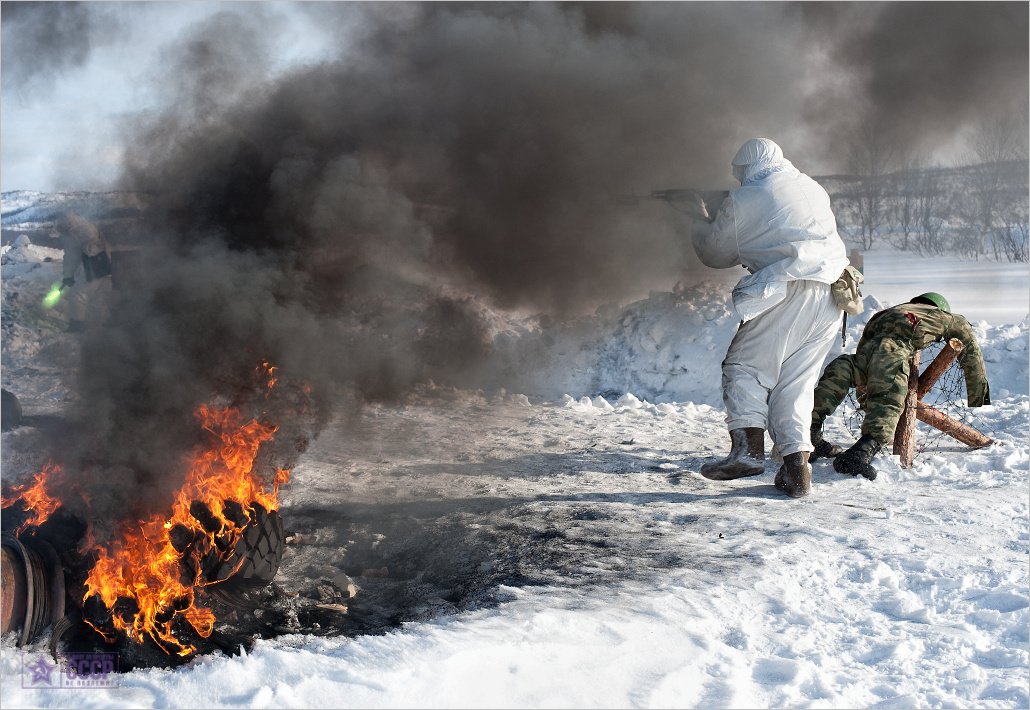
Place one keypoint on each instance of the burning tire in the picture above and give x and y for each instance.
(252, 561)
(255, 559)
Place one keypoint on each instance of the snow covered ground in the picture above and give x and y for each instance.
(571, 555)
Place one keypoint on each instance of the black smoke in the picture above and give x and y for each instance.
(920, 71)
(355, 221)
(493, 147)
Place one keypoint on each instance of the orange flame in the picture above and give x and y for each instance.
(35, 498)
(269, 370)
(144, 569)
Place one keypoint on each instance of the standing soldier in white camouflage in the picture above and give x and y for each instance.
(778, 225)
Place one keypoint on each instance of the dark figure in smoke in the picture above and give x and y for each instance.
(779, 226)
(879, 370)
(87, 270)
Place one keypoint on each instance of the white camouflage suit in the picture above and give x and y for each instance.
(779, 226)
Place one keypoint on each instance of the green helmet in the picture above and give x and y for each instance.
(933, 299)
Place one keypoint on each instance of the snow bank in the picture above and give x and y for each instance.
(15, 201)
(669, 348)
(22, 256)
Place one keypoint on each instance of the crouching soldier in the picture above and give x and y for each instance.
(879, 370)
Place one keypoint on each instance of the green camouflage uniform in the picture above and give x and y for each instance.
(880, 366)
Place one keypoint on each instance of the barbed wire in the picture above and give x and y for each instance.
(947, 395)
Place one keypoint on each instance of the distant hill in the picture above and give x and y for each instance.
(974, 211)
(1012, 172)
(35, 213)
(956, 188)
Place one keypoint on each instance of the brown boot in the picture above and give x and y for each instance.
(747, 454)
(795, 475)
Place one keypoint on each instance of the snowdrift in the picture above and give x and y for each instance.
(669, 348)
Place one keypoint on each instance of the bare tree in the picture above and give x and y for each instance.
(931, 212)
(870, 157)
(1017, 216)
(907, 183)
(995, 143)
(1016, 245)
(980, 209)
(1015, 234)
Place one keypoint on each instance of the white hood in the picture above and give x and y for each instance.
(757, 158)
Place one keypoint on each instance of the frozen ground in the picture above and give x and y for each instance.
(563, 551)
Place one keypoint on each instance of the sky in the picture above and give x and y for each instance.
(77, 76)
(62, 125)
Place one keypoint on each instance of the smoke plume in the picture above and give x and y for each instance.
(354, 220)
(921, 71)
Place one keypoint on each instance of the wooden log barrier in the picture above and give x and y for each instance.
(953, 428)
(918, 385)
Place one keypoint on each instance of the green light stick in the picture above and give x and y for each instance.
(53, 295)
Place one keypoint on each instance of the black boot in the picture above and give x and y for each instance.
(823, 449)
(858, 460)
(795, 475)
(747, 453)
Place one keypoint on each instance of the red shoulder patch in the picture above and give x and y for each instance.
(912, 319)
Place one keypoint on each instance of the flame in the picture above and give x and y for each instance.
(269, 370)
(35, 498)
(141, 578)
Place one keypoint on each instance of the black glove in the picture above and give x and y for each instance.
(981, 401)
(68, 282)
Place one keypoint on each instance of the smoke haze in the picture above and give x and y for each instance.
(352, 220)
(922, 71)
(41, 40)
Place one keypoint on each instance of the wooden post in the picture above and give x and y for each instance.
(940, 364)
(953, 428)
(904, 434)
